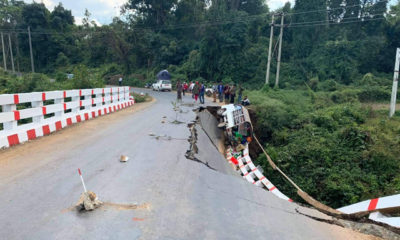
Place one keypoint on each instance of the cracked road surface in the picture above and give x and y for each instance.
(183, 199)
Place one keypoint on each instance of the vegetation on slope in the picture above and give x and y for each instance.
(333, 147)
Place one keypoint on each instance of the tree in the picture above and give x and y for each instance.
(61, 18)
(150, 12)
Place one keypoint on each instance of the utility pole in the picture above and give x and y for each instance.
(4, 53)
(395, 83)
(279, 53)
(271, 36)
(18, 56)
(30, 48)
(11, 53)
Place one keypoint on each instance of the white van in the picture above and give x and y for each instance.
(162, 85)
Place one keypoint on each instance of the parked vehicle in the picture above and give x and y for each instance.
(148, 85)
(162, 85)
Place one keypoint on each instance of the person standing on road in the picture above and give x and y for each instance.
(240, 94)
(120, 81)
(179, 89)
(196, 91)
(215, 90)
(191, 86)
(232, 92)
(220, 92)
(226, 93)
(185, 88)
(202, 92)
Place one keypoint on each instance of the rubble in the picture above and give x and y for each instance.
(124, 158)
(88, 201)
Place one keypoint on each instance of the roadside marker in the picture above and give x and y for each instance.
(83, 183)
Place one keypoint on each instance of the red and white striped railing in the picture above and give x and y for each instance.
(46, 112)
(251, 173)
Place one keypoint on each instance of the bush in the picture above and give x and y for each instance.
(345, 96)
(328, 85)
(139, 98)
(339, 153)
(374, 94)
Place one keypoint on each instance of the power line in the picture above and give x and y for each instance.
(332, 9)
(337, 23)
(333, 20)
(295, 24)
(215, 22)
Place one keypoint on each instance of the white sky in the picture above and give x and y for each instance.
(103, 11)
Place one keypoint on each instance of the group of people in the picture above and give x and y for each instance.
(197, 89)
(228, 93)
(225, 92)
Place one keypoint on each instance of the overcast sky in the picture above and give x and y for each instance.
(103, 11)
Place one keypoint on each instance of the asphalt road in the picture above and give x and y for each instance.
(178, 198)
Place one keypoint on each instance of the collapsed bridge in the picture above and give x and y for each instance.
(180, 198)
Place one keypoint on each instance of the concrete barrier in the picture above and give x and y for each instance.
(46, 112)
(373, 204)
(250, 172)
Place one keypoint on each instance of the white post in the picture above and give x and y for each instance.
(75, 99)
(4, 53)
(13, 124)
(37, 119)
(271, 36)
(87, 97)
(83, 183)
(106, 95)
(279, 53)
(11, 53)
(30, 49)
(395, 83)
(98, 97)
(59, 101)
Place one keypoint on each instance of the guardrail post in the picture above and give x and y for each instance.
(76, 99)
(106, 95)
(13, 124)
(37, 104)
(99, 96)
(87, 97)
(59, 101)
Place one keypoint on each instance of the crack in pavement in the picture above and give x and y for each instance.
(193, 149)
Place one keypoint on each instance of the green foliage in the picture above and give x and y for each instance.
(83, 78)
(374, 94)
(139, 98)
(340, 153)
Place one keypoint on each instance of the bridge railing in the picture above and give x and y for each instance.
(25, 116)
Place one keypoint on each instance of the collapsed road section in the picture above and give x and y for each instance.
(230, 129)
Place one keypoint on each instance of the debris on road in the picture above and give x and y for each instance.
(165, 137)
(124, 158)
(88, 201)
(121, 206)
(176, 122)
